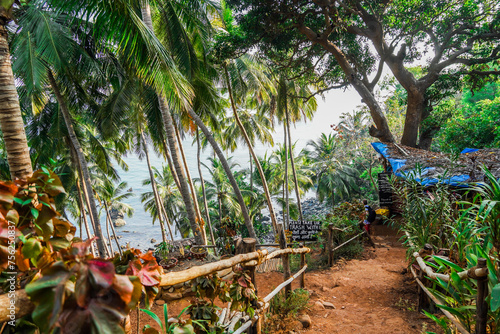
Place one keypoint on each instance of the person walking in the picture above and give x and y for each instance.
(370, 216)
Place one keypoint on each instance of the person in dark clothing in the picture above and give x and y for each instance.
(370, 216)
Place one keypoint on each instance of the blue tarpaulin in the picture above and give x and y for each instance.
(469, 150)
(396, 164)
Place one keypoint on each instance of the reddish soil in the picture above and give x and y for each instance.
(372, 294)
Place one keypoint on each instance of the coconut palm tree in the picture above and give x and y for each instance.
(334, 179)
(242, 77)
(11, 120)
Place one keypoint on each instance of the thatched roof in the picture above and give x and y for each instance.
(463, 168)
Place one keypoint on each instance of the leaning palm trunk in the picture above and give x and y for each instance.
(198, 153)
(292, 163)
(155, 191)
(256, 160)
(108, 221)
(171, 164)
(112, 229)
(11, 121)
(101, 245)
(286, 221)
(82, 209)
(174, 149)
(191, 186)
(227, 169)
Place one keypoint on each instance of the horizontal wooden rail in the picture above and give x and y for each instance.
(454, 320)
(348, 241)
(282, 285)
(479, 272)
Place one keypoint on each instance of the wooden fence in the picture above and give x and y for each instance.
(479, 273)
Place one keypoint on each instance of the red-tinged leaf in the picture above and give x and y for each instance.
(45, 230)
(129, 289)
(4, 257)
(102, 272)
(44, 259)
(82, 287)
(4, 229)
(148, 257)
(32, 248)
(22, 263)
(63, 229)
(242, 282)
(12, 216)
(81, 249)
(149, 273)
(48, 211)
(7, 192)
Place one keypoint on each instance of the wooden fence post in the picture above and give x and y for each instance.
(329, 245)
(247, 245)
(285, 258)
(482, 293)
(302, 264)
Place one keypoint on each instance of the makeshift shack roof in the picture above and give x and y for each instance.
(439, 166)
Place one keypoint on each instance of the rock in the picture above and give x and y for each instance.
(266, 219)
(171, 289)
(115, 214)
(328, 305)
(129, 190)
(178, 285)
(119, 222)
(305, 320)
(318, 306)
(343, 307)
(167, 296)
(159, 302)
(188, 292)
(153, 240)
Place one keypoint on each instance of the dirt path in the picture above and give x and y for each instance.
(371, 295)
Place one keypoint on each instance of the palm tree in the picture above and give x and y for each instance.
(248, 76)
(11, 120)
(172, 203)
(334, 179)
(111, 198)
(173, 144)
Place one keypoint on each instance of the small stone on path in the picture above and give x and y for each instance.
(305, 320)
(329, 305)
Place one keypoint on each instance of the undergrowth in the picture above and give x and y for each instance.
(282, 311)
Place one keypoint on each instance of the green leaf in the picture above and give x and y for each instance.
(32, 248)
(35, 213)
(154, 316)
(18, 200)
(495, 298)
(450, 264)
(26, 202)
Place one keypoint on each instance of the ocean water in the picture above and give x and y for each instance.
(139, 230)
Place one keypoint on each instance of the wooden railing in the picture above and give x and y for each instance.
(479, 273)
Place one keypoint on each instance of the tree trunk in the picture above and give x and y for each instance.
(172, 143)
(155, 192)
(287, 205)
(382, 130)
(203, 190)
(85, 221)
(256, 160)
(113, 229)
(101, 245)
(414, 110)
(227, 169)
(294, 172)
(108, 221)
(201, 222)
(11, 120)
(171, 165)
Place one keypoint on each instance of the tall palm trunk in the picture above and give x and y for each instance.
(227, 169)
(155, 190)
(101, 245)
(84, 215)
(171, 164)
(198, 154)
(250, 148)
(112, 229)
(11, 120)
(172, 143)
(191, 186)
(165, 216)
(292, 162)
(287, 204)
(108, 221)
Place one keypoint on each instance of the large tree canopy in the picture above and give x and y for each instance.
(349, 42)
